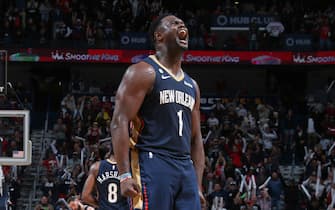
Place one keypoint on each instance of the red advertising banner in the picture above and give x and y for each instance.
(322, 57)
(190, 57)
(237, 57)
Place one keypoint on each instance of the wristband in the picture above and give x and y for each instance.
(124, 176)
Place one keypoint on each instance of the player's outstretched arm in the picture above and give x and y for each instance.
(197, 149)
(135, 84)
(90, 186)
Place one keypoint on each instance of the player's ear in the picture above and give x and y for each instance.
(158, 36)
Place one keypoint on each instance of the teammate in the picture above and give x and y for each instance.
(103, 181)
(162, 103)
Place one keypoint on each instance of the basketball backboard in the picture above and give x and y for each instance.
(15, 146)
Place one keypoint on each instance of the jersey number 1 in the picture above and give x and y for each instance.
(112, 193)
(180, 119)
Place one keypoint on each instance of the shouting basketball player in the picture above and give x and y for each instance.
(162, 103)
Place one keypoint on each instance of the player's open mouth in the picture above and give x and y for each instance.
(183, 36)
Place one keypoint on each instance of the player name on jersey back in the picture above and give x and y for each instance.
(107, 175)
(175, 96)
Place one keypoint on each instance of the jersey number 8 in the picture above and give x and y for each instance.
(112, 193)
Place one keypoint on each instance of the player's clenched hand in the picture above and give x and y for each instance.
(202, 200)
(129, 188)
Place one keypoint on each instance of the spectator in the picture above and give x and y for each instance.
(90, 35)
(288, 17)
(235, 153)
(300, 143)
(32, 9)
(103, 116)
(43, 34)
(325, 143)
(79, 129)
(274, 29)
(219, 169)
(93, 133)
(217, 199)
(31, 32)
(111, 35)
(268, 136)
(232, 201)
(275, 186)
(49, 187)
(60, 205)
(62, 31)
(60, 131)
(140, 20)
(218, 109)
(50, 163)
(253, 36)
(263, 113)
(241, 111)
(44, 204)
(289, 125)
(44, 10)
(73, 161)
(212, 122)
(264, 199)
(78, 33)
(257, 154)
(324, 35)
(6, 33)
(69, 103)
(100, 36)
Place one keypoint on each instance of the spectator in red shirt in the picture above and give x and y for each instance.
(93, 134)
(219, 168)
(50, 163)
(4, 146)
(324, 35)
(235, 152)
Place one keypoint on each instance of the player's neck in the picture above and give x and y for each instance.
(111, 159)
(171, 62)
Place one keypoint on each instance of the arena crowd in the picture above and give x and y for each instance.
(87, 24)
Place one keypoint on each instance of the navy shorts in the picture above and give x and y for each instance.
(167, 183)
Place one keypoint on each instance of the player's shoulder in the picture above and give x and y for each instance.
(141, 67)
(95, 167)
(140, 73)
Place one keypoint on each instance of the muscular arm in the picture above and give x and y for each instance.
(90, 187)
(135, 84)
(197, 150)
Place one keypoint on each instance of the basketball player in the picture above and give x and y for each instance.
(103, 181)
(162, 102)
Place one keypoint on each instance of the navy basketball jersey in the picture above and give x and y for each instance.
(108, 186)
(166, 113)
